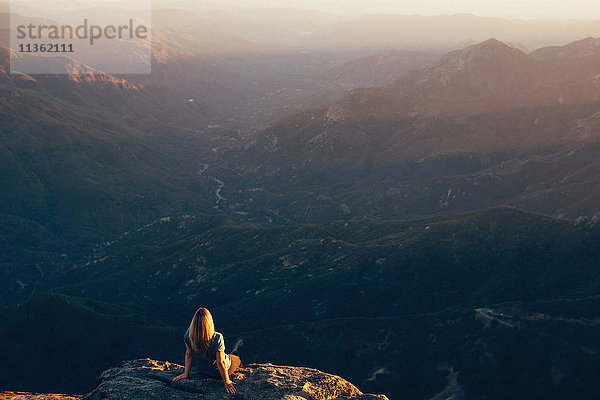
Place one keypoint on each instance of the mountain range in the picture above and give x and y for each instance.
(486, 125)
(377, 32)
(421, 221)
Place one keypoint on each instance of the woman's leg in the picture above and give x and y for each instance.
(235, 364)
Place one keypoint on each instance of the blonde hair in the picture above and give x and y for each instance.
(202, 331)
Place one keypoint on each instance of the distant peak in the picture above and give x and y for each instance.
(491, 49)
(589, 41)
(587, 44)
(580, 48)
(492, 44)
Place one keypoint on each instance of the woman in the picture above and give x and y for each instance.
(206, 349)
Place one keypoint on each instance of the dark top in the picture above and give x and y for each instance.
(208, 365)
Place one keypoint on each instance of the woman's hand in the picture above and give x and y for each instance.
(229, 387)
(220, 358)
(180, 377)
(188, 364)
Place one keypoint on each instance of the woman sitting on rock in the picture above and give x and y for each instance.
(206, 348)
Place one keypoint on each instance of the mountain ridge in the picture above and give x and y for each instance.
(581, 48)
(455, 125)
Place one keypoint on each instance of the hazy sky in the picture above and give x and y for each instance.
(525, 9)
(528, 9)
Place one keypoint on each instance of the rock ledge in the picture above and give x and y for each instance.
(150, 379)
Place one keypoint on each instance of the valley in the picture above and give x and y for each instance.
(404, 297)
(415, 211)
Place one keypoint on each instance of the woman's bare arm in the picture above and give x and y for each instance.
(224, 373)
(188, 364)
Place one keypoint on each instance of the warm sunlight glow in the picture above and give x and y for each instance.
(159, 365)
(529, 9)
